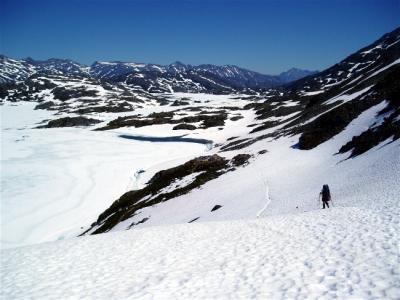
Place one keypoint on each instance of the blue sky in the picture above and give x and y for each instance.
(265, 36)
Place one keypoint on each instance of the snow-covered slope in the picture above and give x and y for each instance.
(357, 67)
(342, 253)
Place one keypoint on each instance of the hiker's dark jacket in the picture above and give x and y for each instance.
(326, 195)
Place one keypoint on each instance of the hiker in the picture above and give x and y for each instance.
(325, 194)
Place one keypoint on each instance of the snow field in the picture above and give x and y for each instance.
(346, 253)
(54, 181)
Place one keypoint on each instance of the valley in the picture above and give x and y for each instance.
(122, 157)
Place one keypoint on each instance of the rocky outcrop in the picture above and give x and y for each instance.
(70, 122)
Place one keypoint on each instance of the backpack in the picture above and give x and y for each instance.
(326, 194)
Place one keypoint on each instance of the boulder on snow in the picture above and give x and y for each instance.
(179, 103)
(70, 122)
(263, 151)
(184, 127)
(216, 207)
(240, 159)
(44, 105)
(235, 118)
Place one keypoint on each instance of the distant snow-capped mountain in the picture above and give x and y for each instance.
(294, 74)
(59, 66)
(182, 77)
(177, 77)
(14, 70)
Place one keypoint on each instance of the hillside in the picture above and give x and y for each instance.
(297, 141)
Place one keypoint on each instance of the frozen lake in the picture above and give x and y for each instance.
(55, 182)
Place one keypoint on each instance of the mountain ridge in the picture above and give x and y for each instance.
(176, 76)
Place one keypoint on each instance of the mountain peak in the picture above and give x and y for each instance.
(294, 74)
(178, 63)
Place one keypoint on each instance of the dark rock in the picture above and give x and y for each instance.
(70, 122)
(264, 126)
(121, 107)
(161, 115)
(45, 105)
(331, 123)
(166, 118)
(202, 163)
(235, 118)
(214, 121)
(179, 103)
(184, 126)
(216, 207)
(238, 144)
(262, 151)
(163, 102)
(240, 159)
(64, 94)
(137, 223)
(373, 137)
